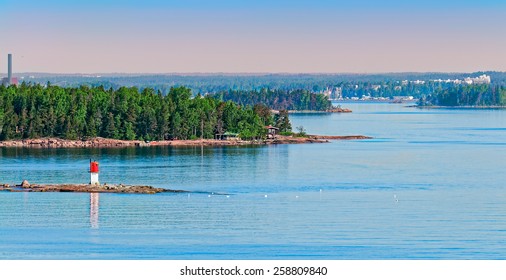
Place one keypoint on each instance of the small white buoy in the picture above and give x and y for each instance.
(265, 195)
(228, 196)
(208, 195)
(320, 190)
(296, 196)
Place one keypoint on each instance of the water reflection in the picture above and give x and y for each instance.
(120, 153)
(94, 204)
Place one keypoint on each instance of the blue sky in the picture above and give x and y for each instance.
(157, 36)
(235, 4)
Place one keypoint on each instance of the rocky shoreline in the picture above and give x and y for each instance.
(332, 110)
(348, 137)
(99, 142)
(85, 188)
(339, 110)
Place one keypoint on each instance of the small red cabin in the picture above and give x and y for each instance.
(94, 167)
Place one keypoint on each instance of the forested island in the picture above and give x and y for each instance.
(294, 100)
(466, 96)
(31, 111)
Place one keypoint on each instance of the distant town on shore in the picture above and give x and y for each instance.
(334, 87)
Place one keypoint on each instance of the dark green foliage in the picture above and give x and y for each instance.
(283, 122)
(298, 100)
(301, 131)
(469, 95)
(34, 111)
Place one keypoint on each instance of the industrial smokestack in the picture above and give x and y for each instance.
(9, 69)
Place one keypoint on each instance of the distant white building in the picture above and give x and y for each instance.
(483, 79)
(338, 93)
(401, 99)
(327, 92)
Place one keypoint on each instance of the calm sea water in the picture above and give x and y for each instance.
(430, 185)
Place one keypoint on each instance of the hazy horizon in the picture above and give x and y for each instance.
(253, 37)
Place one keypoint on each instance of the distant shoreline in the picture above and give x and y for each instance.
(115, 143)
(494, 107)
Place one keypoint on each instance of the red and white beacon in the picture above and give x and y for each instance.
(94, 173)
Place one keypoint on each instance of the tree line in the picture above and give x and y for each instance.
(36, 111)
(466, 95)
(298, 100)
(353, 85)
